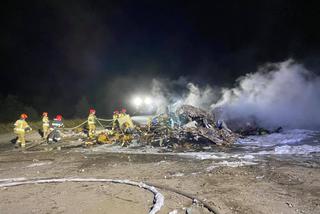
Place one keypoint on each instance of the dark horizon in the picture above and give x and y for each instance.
(56, 53)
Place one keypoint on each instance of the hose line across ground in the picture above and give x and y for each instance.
(105, 120)
(157, 202)
(84, 122)
(188, 195)
(100, 124)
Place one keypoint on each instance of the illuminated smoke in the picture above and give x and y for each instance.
(279, 94)
(159, 93)
(181, 92)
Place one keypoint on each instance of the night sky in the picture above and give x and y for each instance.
(55, 52)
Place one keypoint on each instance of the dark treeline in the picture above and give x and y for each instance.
(11, 107)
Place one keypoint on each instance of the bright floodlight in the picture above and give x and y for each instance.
(137, 101)
(147, 101)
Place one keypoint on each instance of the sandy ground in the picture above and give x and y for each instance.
(275, 185)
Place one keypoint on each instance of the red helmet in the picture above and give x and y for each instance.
(24, 116)
(92, 111)
(124, 110)
(59, 117)
(45, 114)
(116, 112)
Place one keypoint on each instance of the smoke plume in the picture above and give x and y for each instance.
(180, 92)
(278, 94)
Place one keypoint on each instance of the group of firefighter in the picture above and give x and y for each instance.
(51, 132)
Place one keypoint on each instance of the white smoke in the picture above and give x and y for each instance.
(285, 94)
(174, 94)
(199, 97)
(159, 94)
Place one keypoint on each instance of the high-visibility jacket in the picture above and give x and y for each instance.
(20, 126)
(56, 124)
(126, 121)
(45, 121)
(92, 119)
(115, 117)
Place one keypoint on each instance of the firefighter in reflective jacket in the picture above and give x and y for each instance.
(45, 124)
(114, 119)
(123, 112)
(92, 123)
(20, 128)
(55, 134)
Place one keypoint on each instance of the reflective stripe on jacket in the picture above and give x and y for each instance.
(45, 121)
(91, 119)
(20, 125)
(56, 123)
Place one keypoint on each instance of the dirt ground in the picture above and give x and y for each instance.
(272, 186)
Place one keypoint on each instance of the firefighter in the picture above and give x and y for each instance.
(20, 128)
(55, 134)
(123, 112)
(45, 124)
(115, 117)
(92, 123)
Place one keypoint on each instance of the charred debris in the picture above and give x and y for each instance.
(188, 127)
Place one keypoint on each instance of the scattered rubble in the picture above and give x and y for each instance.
(193, 128)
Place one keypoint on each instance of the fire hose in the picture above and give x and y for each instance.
(100, 123)
(157, 202)
(106, 120)
(188, 195)
(84, 122)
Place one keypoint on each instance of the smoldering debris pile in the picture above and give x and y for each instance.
(189, 127)
(186, 128)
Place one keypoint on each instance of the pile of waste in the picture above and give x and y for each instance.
(190, 127)
(187, 127)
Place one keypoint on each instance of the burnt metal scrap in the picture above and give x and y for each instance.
(188, 126)
(191, 113)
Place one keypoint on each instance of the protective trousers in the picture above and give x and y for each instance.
(21, 139)
(45, 129)
(54, 136)
(92, 131)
